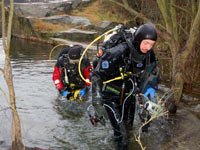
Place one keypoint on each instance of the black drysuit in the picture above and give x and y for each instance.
(118, 96)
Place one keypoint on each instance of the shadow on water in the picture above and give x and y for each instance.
(50, 122)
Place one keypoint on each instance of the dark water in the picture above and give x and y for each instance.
(51, 122)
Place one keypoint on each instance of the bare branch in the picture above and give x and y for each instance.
(180, 8)
(125, 2)
(131, 10)
(169, 37)
(174, 21)
(193, 33)
(125, 5)
(3, 24)
(162, 4)
(9, 27)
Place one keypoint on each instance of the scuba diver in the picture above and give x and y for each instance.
(125, 73)
(66, 76)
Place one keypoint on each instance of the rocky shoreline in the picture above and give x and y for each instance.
(80, 29)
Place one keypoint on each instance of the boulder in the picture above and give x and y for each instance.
(23, 27)
(42, 9)
(102, 26)
(67, 19)
(79, 21)
(72, 34)
(26, 14)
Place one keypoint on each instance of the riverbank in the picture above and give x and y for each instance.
(51, 22)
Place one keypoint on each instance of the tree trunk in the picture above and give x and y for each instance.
(17, 143)
(178, 77)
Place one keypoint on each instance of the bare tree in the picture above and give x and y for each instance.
(179, 26)
(17, 143)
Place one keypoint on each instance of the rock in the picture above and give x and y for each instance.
(72, 34)
(106, 24)
(101, 27)
(23, 27)
(42, 9)
(76, 20)
(85, 2)
(67, 19)
(26, 14)
(171, 107)
(79, 21)
(75, 3)
(197, 108)
(46, 8)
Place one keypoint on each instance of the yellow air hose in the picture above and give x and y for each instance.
(52, 52)
(84, 52)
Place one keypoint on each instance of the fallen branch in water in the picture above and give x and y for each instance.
(140, 129)
(158, 109)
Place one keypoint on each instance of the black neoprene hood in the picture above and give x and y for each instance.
(75, 52)
(145, 31)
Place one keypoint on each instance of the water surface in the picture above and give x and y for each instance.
(51, 122)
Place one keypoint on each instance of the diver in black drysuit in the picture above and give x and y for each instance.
(123, 55)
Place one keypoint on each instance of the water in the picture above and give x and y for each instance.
(53, 123)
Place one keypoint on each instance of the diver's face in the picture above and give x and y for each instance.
(73, 61)
(146, 45)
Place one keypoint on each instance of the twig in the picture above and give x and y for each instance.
(158, 111)
(140, 129)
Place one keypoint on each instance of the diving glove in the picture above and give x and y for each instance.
(82, 92)
(150, 92)
(64, 93)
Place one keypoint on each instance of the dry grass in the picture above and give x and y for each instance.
(40, 25)
(61, 13)
(101, 10)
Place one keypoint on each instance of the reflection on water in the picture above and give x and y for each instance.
(51, 122)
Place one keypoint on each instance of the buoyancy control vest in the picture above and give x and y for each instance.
(70, 71)
(124, 55)
(69, 74)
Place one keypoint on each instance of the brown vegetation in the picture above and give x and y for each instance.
(40, 25)
(101, 10)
